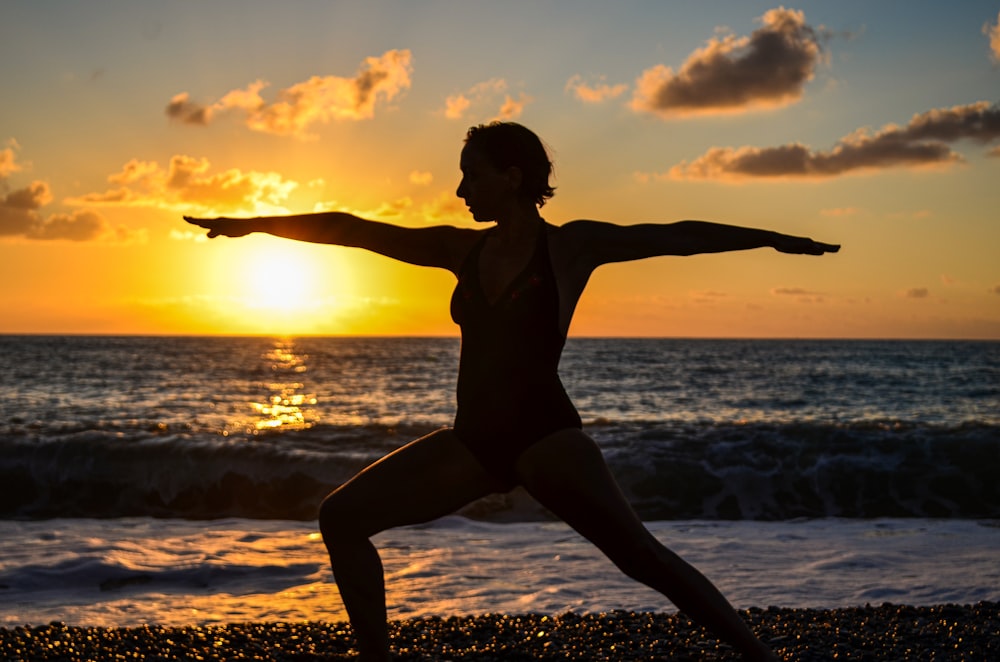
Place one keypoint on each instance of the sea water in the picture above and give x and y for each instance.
(175, 480)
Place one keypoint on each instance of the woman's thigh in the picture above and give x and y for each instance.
(567, 474)
(424, 480)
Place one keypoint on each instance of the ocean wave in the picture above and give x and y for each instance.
(669, 471)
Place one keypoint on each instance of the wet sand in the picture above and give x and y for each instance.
(886, 632)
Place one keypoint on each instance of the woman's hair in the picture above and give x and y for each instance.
(508, 144)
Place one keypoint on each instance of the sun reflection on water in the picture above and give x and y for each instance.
(285, 404)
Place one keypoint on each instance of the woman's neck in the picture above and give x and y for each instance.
(522, 223)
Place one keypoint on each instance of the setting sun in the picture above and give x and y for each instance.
(279, 287)
(278, 278)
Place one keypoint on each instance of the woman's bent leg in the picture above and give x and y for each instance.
(426, 479)
(567, 474)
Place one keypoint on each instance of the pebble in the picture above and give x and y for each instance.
(883, 632)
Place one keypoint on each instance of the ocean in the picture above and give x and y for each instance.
(175, 480)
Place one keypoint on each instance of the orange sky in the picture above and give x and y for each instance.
(879, 131)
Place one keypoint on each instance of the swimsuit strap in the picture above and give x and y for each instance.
(469, 271)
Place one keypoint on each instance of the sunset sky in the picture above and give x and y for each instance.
(871, 124)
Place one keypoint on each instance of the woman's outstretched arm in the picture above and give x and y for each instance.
(441, 246)
(606, 242)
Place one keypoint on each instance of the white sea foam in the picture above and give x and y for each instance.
(133, 571)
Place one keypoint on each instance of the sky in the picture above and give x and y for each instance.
(875, 125)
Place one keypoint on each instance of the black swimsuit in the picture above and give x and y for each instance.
(509, 392)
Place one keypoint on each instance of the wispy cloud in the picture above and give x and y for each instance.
(794, 291)
(444, 207)
(8, 160)
(318, 100)
(457, 104)
(188, 185)
(421, 178)
(992, 30)
(707, 296)
(731, 74)
(840, 212)
(486, 94)
(801, 294)
(512, 108)
(391, 210)
(594, 92)
(923, 142)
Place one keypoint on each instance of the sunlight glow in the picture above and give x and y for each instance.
(280, 279)
(267, 285)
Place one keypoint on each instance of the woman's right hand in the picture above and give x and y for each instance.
(223, 225)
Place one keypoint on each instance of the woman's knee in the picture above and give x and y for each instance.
(338, 520)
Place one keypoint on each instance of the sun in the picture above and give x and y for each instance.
(279, 280)
(264, 285)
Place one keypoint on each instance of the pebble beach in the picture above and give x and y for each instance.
(885, 632)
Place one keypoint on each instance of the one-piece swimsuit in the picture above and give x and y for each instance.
(509, 392)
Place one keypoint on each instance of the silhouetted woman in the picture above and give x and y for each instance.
(518, 284)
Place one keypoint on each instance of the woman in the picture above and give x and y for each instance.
(518, 284)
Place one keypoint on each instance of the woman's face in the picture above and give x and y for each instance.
(489, 193)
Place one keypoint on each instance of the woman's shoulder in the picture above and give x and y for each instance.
(572, 243)
(581, 232)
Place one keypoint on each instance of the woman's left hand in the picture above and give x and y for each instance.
(784, 243)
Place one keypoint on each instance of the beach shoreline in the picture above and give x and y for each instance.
(873, 632)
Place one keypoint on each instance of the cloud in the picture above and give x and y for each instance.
(794, 291)
(318, 100)
(456, 105)
(445, 207)
(731, 74)
(188, 185)
(840, 212)
(922, 142)
(81, 225)
(512, 108)
(993, 32)
(389, 211)
(188, 235)
(182, 109)
(707, 296)
(917, 293)
(421, 178)
(21, 216)
(596, 93)
(394, 209)
(8, 160)
(33, 196)
(802, 295)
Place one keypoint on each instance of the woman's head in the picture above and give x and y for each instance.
(511, 145)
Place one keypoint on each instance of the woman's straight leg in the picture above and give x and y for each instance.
(567, 474)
